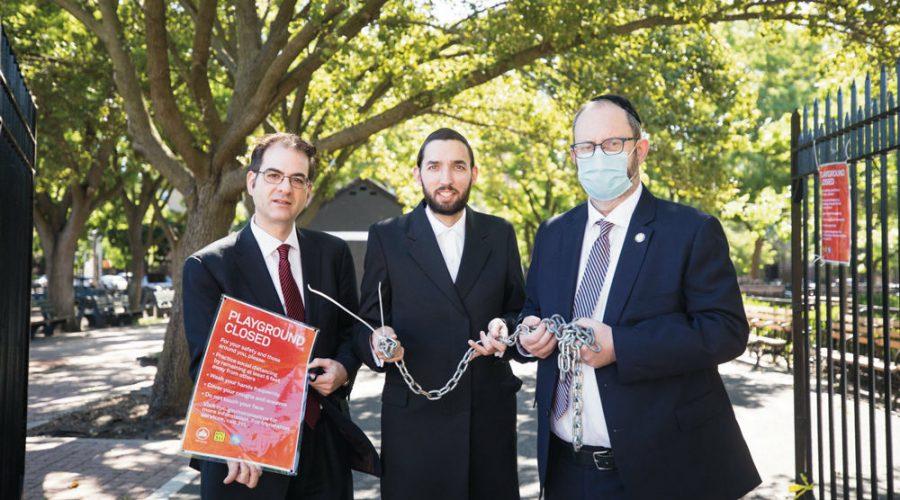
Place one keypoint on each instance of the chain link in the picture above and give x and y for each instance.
(570, 338)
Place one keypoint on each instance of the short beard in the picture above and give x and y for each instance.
(452, 209)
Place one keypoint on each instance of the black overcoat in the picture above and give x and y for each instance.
(464, 445)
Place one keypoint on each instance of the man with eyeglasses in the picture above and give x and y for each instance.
(269, 263)
(654, 282)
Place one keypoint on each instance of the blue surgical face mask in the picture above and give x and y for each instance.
(604, 177)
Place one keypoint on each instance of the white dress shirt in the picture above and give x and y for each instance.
(268, 245)
(594, 428)
(450, 240)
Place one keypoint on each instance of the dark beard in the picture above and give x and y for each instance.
(451, 209)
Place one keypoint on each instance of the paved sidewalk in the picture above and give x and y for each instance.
(68, 371)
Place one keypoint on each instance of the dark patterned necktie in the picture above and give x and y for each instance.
(293, 306)
(585, 301)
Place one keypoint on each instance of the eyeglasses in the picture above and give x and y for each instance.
(273, 176)
(611, 146)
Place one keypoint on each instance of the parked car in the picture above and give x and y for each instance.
(118, 282)
(157, 294)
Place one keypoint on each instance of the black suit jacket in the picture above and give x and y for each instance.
(429, 448)
(235, 266)
(676, 313)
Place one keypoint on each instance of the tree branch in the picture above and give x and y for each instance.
(145, 137)
(167, 113)
(198, 81)
(263, 100)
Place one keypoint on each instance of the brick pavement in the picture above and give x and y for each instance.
(65, 467)
(66, 372)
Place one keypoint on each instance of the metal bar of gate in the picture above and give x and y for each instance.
(870, 338)
(817, 286)
(842, 121)
(798, 300)
(854, 271)
(885, 276)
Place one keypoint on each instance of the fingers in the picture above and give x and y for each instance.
(255, 472)
(531, 321)
(537, 339)
(233, 468)
(497, 328)
(318, 363)
(324, 383)
(243, 475)
(479, 349)
(544, 345)
(398, 355)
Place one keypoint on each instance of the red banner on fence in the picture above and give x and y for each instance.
(250, 396)
(834, 189)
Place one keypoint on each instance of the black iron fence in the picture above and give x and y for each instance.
(846, 331)
(17, 159)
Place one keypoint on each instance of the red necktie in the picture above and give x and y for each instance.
(293, 305)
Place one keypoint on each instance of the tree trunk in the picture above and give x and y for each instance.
(756, 258)
(136, 267)
(59, 241)
(59, 254)
(208, 218)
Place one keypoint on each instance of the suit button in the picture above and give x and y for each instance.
(546, 413)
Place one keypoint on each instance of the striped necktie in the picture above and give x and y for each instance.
(293, 306)
(585, 301)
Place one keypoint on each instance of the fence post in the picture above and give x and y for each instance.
(802, 429)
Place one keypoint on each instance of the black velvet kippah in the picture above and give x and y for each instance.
(620, 102)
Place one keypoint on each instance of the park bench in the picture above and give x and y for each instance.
(770, 332)
(44, 317)
(123, 313)
(834, 355)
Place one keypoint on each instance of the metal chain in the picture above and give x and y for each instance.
(570, 338)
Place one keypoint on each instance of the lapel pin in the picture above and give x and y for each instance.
(639, 238)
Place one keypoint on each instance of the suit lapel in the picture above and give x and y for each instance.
(569, 257)
(631, 258)
(311, 264)
(475, 254)
(423, 247)
(255, 273)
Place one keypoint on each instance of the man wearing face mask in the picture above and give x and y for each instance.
(654, 282)
(449, 276)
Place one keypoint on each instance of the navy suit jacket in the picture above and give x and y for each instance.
(676, 313)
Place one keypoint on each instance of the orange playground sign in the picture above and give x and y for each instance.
(250, 396)
(834, 189)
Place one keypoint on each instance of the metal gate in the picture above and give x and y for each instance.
(846, 333)
(17, 156)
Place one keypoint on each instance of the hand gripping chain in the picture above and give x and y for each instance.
(570, 337)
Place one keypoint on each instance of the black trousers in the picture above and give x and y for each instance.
(319, 477)
(568, 480)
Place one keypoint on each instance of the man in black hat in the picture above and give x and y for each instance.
(644, 414)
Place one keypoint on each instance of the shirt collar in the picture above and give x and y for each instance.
(268, 243)
(458, 227)
(621, 215)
